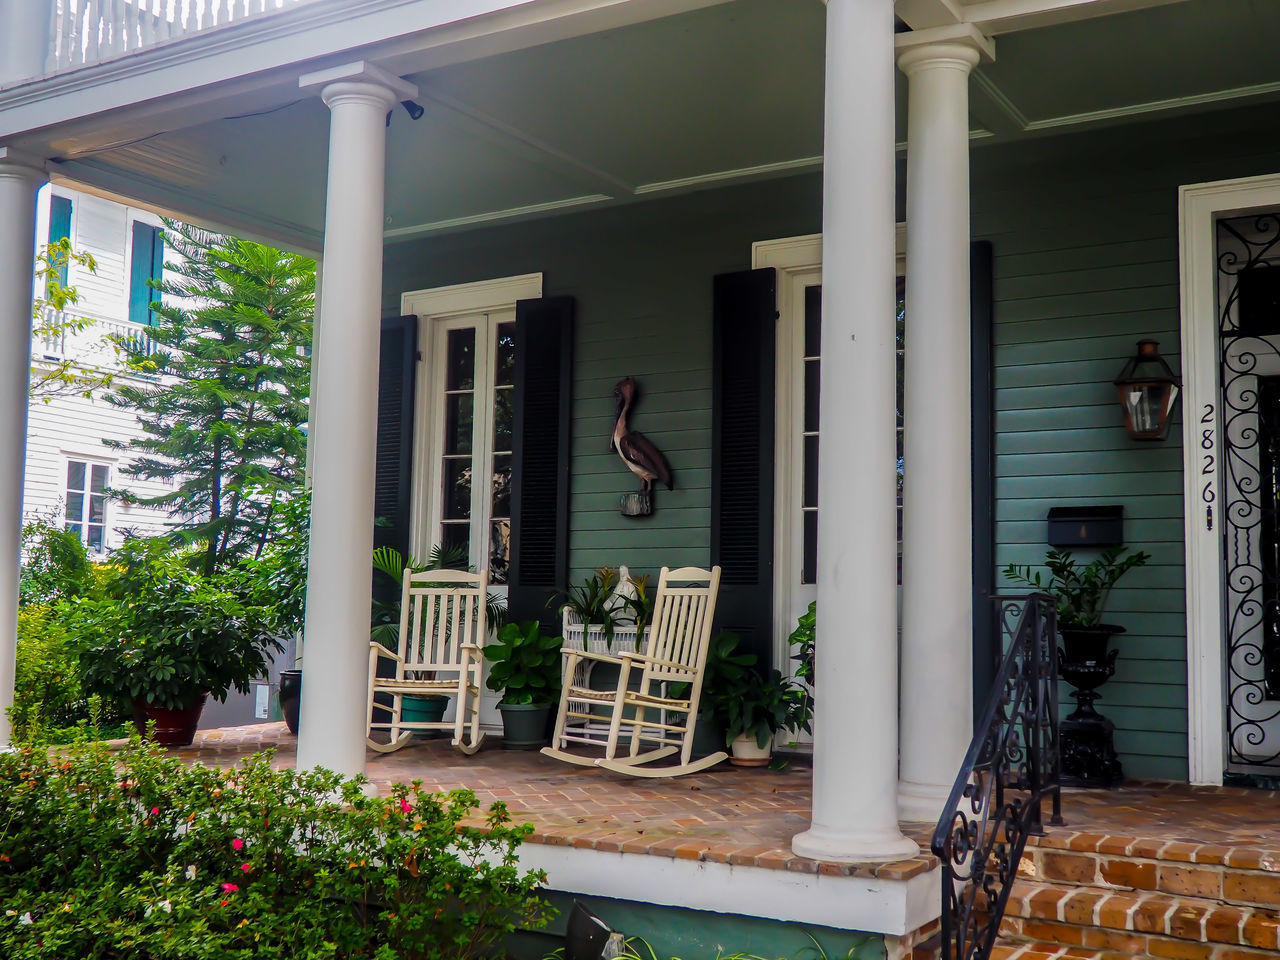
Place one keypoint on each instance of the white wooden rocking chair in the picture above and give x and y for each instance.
(676, 653)
(442, 633)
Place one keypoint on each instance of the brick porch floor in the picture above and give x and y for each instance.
(747, 817)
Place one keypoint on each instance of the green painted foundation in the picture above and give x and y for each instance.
(673, 932)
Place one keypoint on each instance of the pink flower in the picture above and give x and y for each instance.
(229, 888)
(154, 811)
(237, 844)
(405, 806)
(246, 867)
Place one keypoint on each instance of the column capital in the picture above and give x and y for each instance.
(15, 162)
(962, 45)
(359, 78)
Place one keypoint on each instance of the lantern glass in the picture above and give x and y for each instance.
(1148, 391)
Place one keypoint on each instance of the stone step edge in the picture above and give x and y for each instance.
(1015, 947)
(1182, 918)
(1241, 855)
(1111, 872)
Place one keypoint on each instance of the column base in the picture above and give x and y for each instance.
(921, 801)
(853, 846)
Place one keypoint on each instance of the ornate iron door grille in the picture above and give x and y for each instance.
(1249, 326)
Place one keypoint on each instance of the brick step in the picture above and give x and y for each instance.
(1239, 875)
(1006, 949)
(1114, 945)
(1082, 916)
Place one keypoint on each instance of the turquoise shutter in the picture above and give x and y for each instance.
(147, 263)
(60, 227)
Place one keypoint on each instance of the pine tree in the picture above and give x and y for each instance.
(223, 392)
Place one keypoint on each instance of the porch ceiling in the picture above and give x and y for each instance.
(727, 93)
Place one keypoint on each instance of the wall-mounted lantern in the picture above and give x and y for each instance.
(1148, 390)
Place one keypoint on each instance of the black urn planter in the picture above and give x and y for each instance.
(290, 696)
(1087, 738)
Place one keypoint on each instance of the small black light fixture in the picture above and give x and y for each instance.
(1148, 391)
(415, 110)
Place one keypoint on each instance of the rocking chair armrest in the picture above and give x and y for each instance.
(382, 651)
(615, 659)
(655, 661)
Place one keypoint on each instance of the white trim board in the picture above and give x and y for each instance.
(865, 904)
(1199, 207)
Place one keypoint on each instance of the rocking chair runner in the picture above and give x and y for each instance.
(442, 632)
(675, 654)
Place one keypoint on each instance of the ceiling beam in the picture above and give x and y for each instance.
(1006, 16)
(926, 14)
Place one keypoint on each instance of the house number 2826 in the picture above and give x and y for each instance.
(1207, 463)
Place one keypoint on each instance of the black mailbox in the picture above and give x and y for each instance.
(1086, 526)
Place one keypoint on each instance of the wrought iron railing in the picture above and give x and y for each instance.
(1012, 763)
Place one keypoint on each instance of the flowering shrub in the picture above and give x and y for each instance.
(138, 856)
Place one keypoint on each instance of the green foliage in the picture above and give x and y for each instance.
(64, 377)
(225, 391)
(638, 604)
(277, 577)
(761, 706)
(46, 689)
(592, 600)
(803, 638)
(164, 634)
(743, 700)
(55, 563)
(526, 664)
(1081, 592)
(139, 856)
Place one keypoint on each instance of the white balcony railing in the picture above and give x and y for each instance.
(89, 31)
(91, 346)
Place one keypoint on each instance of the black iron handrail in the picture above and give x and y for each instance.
(1012, 763)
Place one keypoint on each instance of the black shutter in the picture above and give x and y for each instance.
(986, 644)
(397, 360)
(742, 437)
(540, 456)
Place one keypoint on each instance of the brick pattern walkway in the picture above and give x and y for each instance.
(748, 816)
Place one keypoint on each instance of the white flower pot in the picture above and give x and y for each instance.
(747, 753)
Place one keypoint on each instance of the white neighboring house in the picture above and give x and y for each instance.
(68, 460)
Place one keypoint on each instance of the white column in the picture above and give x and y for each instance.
(855, 769)
(19, 181)
(332, 724)
(24, 39)
(937, 558)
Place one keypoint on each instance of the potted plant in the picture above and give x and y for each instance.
(725, 670)
(163, 638)
(756, 707)
(526, 669)
(1081, 593)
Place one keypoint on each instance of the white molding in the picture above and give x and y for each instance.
(358, 71)
(493, 217)
(760, 171)
(471, 297)
(994, 17)
(866, 904)
(1199, 207)
(1252, 91)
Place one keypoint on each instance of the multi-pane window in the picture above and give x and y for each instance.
(87, 502)
(476, 403)
(812, 390)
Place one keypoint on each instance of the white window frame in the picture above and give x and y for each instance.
(440, 310)
(798, 262)
(89, 463)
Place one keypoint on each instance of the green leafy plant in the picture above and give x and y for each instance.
(802, 641)
(69, 375)
(46, 687)
(760, 706)
(55, 564)
(1080, 591)
(638, 603)
(592, 601)
(526, 664)
(136, 855)
(164, 634)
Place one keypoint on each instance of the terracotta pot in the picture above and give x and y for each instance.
(745, 752)
(174, 728)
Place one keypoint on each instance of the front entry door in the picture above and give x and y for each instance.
(1249, 333)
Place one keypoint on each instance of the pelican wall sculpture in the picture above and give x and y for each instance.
(637, 452)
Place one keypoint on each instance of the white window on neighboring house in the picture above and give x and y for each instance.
(86, 499)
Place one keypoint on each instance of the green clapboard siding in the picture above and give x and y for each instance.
(641, 275)
(1085, 233)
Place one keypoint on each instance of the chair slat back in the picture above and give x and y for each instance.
(683, 608)
(440, 611)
